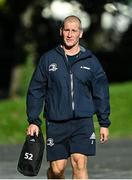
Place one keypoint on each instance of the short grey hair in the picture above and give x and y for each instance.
(71, 18)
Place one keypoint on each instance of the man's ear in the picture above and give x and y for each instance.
(61, 31)
(81, 34)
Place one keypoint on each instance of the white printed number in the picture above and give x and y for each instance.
(28, 156)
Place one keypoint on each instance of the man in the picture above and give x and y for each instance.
(73, 85)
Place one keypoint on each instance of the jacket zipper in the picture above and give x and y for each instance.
(72, 91)
(72, 87)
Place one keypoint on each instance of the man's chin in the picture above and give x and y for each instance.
(69, 46)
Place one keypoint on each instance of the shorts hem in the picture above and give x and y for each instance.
(57, 158)
(84, 153)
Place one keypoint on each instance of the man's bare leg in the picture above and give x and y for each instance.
(79, 165)
(57, 169)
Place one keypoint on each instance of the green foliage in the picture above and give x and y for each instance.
(13, 121)
(2, 3)
(26, 73)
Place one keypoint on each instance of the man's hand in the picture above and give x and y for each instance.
(32, 129)
(104, 133)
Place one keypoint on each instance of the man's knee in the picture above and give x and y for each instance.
(57, 169)
(79, 165)
(79, 162)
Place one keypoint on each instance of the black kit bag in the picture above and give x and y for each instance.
(31, 155)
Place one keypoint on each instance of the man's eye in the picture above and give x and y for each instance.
(74, 30)
(66, 30)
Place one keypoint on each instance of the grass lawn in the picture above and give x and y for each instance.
(13, 121)
(121, 110)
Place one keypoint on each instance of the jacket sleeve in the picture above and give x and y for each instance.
(100, 93)
(36, 94)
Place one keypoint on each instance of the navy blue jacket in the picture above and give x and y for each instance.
(68, 92)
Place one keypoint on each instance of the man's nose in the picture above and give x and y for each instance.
(69, 33)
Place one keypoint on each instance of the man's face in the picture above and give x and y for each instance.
(71, 33)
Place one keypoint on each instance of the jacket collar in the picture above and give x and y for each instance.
(85, 53)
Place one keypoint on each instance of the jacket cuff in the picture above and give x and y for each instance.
(37, 122)
(105, 124)
(104, 121)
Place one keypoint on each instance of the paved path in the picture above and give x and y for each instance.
(113, 161)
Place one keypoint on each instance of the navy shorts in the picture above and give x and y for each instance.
(67, 137)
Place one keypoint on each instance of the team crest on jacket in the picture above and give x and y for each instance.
(53, 67)
(50, 142)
